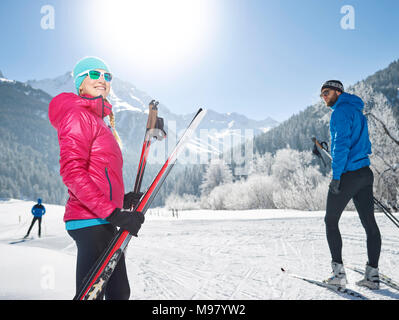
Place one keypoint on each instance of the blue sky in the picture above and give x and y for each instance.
(254, 57)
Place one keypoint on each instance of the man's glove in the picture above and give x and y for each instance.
(131, 199)
(334, 186)
(127, 220)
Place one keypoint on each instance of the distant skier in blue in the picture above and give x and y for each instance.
(38, 210)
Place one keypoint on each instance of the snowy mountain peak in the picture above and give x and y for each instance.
(4, 79)
(53, 87)
(121, 105)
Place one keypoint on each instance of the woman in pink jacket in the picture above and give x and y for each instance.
(91, 168)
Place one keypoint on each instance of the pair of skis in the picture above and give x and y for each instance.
(99, 275)
(346, 291)
(340, 290)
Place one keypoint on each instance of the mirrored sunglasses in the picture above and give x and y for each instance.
(94, 75)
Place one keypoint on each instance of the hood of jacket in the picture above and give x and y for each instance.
(349, 100)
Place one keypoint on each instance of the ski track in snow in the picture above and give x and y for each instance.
(202, 255)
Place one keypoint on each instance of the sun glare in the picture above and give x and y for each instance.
(154, 33)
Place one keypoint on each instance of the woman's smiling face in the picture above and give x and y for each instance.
(95, 88)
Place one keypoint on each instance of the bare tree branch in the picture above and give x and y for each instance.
(384, 127)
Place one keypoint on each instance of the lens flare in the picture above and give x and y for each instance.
(153, 33)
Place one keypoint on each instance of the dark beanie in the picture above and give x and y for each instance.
(333, 84)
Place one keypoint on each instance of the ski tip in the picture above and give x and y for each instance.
(201, 112)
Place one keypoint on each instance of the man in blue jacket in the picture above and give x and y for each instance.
(38, 210)
(352, 178)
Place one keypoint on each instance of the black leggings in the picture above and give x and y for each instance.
(33, 222)
(356, 185)
(91, 243)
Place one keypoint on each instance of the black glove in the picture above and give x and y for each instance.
(127, 220)
(131, 199)
(334, 186)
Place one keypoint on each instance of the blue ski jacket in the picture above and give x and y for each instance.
(38, 210)
(350, 143)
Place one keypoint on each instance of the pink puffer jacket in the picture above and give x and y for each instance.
(90, 158)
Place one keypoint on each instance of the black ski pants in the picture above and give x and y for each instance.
(356, 185)
(91, 243)
(33, 222)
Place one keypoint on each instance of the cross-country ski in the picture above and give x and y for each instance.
(346, 292)
(382, 278)
(21, 240)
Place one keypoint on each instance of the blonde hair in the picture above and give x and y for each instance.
(112, 122)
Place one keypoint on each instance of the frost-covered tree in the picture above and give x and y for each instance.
(183, 202)
(384, 136)
(254, 193)
(261, 164)
(217, 173)
(286, 180)
(300, 185)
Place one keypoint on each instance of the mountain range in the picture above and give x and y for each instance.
(126, 98)
(33, 142)
(29, 165)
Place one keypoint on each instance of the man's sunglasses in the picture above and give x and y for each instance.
(325, 93)
(94, 75)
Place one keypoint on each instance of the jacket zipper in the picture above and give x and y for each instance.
(102, 102)
(109, 182)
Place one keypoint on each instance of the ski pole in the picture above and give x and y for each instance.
(152, 131)
(384, 209)
(387, 212)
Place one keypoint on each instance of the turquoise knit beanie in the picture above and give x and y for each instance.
(87, 64)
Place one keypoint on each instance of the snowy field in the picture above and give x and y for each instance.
(199, 255)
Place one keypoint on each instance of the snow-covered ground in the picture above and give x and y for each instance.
(199, 255)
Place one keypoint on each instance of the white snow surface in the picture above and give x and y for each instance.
(201, 254)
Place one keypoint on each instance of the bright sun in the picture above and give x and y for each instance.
(154, 33)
